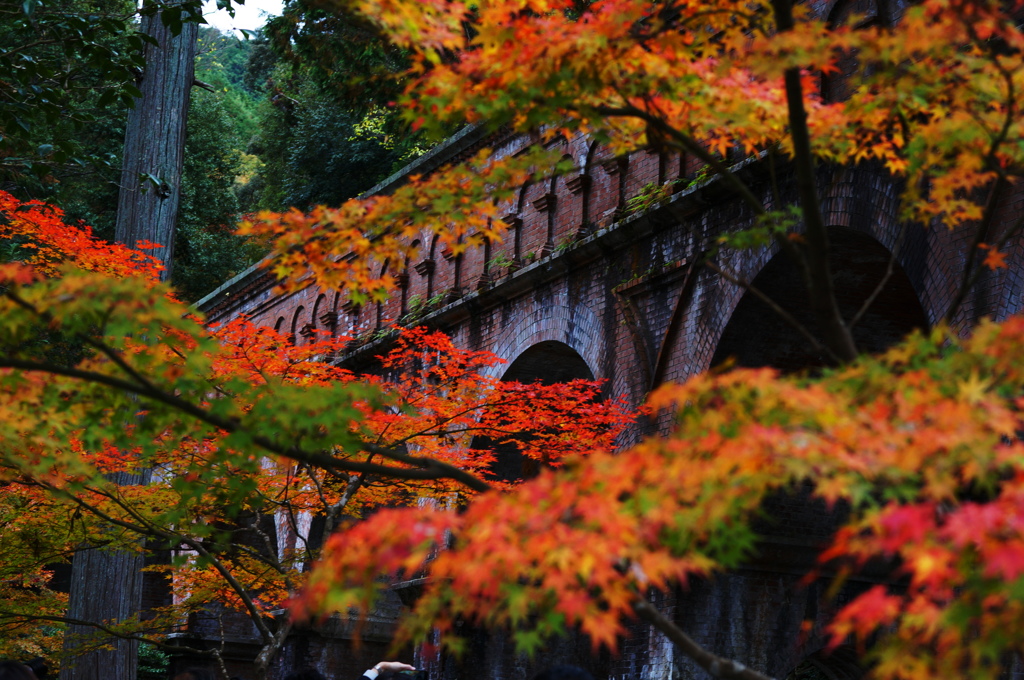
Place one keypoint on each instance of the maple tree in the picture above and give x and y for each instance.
(919, 444)
(237, 425)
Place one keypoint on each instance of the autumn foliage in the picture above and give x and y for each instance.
(918, 447)
(243, 435)
(34, 233)
(916, 452)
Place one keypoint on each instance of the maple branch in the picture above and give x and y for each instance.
(816, 270)
(270, 649)
(690, 145)
(775, 307)
(889, 268)
(147, 528)
(716, 666)
(784, 243)
(355, 482)
(113, 632)
(444, 471)
(972, 270)
(427, 468)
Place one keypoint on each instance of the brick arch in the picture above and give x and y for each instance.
(296, 326)
(574, 325)
(549, 362)
(756, 336)
(318, 310)
(867, 201)
(380, 308)
(841, 663)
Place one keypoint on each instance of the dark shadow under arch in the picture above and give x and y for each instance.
(547, 362)
(839, 664)
(756, 336)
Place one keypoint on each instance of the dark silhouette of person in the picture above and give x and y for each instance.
(195, 674)
(12, 670)
(563, 672)
(305, 674)
(39, 667)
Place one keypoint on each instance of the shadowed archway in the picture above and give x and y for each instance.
(757, 336)
(839, 664)
(547, 362)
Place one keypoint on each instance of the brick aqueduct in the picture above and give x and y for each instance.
(584, 287)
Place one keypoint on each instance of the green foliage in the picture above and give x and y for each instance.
(651, 195)
(154, 664)
(326, 132)
(222, 62)
(767, 227)
(206, 250)
(343, 52)
(500, 260)
(316, 152)
(65, 63)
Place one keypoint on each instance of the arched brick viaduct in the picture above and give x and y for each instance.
(578, 271)
(621, 288)
(582, 283)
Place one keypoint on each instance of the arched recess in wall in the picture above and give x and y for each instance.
(318, 309)
(546, 362)
(517, 222)
(335, 316)
(757, 336)
(839, 664)
(586, 181)
(430, 266)
(295, 325)
(379, 320)
(405, 278)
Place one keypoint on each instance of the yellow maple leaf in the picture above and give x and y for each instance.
(973, 389)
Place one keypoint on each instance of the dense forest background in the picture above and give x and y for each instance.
(294, 115)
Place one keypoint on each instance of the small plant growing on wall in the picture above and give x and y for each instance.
(500, 261)
(651, 196)
(564, 244)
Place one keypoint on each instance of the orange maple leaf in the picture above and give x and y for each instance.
(994, 259)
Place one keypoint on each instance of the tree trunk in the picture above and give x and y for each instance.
(154, 145)
(106, 586)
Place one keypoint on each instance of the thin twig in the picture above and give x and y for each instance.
(890, 266)
(786, 316)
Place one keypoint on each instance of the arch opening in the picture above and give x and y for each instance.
(842, 663)
(548, 363)
(756, 336)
